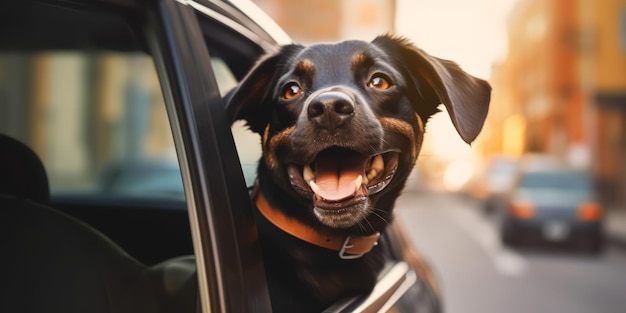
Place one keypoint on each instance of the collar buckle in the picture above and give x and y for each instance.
(345, 246)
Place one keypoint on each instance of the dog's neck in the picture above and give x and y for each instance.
(348, 247)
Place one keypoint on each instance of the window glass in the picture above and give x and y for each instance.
(248, 143)
(96, 120)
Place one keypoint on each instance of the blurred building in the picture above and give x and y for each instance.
(562, 89)
(309, 21)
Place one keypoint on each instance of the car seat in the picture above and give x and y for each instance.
(52, 262)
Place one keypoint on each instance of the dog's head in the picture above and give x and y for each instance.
(342, 124)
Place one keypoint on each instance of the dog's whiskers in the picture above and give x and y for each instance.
(379, 216)
(362, 227)
(384, 141)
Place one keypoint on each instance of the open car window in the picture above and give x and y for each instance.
(248, 143)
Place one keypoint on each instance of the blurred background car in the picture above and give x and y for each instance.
(554, 205)
(495, 181)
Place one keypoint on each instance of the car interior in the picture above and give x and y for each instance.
(47, 248)
(68, 248)
(104, 38)
(82, 236)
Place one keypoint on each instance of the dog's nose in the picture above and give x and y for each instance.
(331, 109)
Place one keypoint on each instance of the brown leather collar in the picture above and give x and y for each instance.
(350, 247)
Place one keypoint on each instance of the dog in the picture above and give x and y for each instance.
(341, 127)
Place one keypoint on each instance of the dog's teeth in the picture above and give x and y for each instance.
(378, 163)
(372, 174)
(378, 166)
(314, 186)
(307, 173)
(358, 182)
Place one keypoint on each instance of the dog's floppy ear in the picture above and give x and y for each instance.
(251, 100)
(441, 81)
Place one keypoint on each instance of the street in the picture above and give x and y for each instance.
(478, 274)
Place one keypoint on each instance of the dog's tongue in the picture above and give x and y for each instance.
(336, 176)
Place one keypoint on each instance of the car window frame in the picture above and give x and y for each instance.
(221, 219)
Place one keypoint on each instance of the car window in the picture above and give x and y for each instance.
(574, 181)
(97, 121)
(248, 144)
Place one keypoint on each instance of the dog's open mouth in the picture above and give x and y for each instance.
(338, 176)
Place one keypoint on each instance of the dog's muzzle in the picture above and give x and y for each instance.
(338, 157)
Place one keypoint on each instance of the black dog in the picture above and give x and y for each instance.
(341, 127)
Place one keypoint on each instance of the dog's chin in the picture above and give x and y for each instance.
(342, 215)
(340, 184)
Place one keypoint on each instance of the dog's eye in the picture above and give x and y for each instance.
(379, 81)
(291, 91)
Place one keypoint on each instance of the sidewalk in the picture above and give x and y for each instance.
(615, 226)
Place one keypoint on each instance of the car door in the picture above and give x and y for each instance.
(229, 269)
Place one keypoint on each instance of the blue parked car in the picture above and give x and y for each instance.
(554, 205)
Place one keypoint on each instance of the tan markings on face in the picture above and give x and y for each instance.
(420, 134)
(359, 59)
(271, 144)
(420, 123)
(304, 67)
(270, 158)
(403, 128)
(266, 134)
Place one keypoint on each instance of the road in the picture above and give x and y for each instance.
(480, 275)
